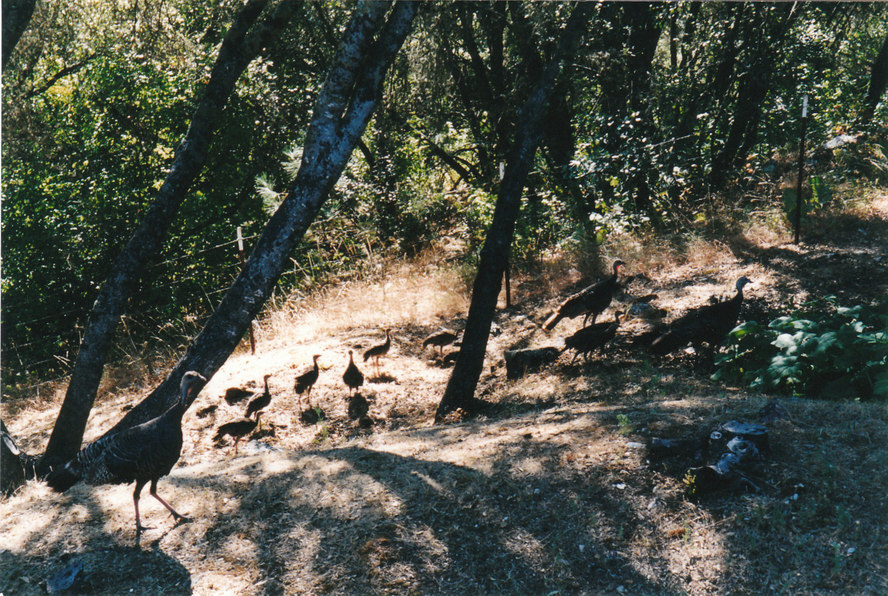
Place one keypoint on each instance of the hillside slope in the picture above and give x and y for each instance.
(554, 491)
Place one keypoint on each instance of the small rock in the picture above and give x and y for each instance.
(65, 578)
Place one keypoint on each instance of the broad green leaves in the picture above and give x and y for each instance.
(820, 350)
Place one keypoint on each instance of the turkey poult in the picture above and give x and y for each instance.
(588, 339)
(589, 302)
(237, 429)
(380, 350)
(708, 324)
(235, 395)
(353, 378)
(259, 402)
(141, 453)
(306, 381)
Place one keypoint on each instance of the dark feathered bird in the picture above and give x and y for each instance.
(306, 381)
(379, 350)
(260, 402)
(237, 429)
(588, 339)
(142, 453)
(235, 395)
(589, 302)
(352, 377)
(707, 324)
(439, 340)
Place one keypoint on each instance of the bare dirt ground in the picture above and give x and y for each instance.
(552, 492)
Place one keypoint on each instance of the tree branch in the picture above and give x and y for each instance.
(497, 245)
(240, 45)
(59, 75)
(330, 141)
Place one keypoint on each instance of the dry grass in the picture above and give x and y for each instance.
(550, 493)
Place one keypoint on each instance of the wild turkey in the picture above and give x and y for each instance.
(380, 350)
(707, 324)
(235, 395)
(439, 340)
(591, 301)
(259, 402)
(588, 339)
(352, 377)
(306, 381)
(237, 429)
(140, 453)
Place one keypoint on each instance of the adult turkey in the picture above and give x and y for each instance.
(595, 336)
(379, 350)
(353, 378)
(439, 340)
(589, 302)
(237, 429)
(306, 381)
(707, 324)
(260, 402)
(141, 453)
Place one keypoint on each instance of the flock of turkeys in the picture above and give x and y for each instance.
(148, 451)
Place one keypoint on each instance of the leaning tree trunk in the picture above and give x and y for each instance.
(16, 16)
(495, 253)
(346, 102)
(241, 45)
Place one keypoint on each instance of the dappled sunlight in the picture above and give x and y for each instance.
(551, 490)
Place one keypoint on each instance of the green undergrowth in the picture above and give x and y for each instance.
(820, 349)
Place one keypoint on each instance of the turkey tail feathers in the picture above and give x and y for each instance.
(61, 479)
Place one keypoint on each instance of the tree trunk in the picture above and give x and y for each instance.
(240, 46)
(754, 86)
(625, 85)
(878, 83)
(343, 108)
(495, 253)
(16, 16)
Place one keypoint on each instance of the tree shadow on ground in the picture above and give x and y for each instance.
(110, 564)
(841, 254)
(354, 520)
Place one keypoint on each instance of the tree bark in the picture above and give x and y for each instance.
(878, 83)
(348, 98)
(495, 253)
(241, 45)
(754, 86)
(16, 16)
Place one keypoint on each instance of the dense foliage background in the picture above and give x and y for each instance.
(666, 112)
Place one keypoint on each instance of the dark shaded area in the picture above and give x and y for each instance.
(16, 16)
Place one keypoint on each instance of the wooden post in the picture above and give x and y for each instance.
(798, 213)
(508, 285)
(240, 252)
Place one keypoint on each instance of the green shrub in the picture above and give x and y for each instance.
(820, 349)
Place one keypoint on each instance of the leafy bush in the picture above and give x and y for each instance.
(820, 349)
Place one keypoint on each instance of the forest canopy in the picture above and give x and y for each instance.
(664, 112)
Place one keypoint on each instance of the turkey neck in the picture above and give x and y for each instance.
(177, 410)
